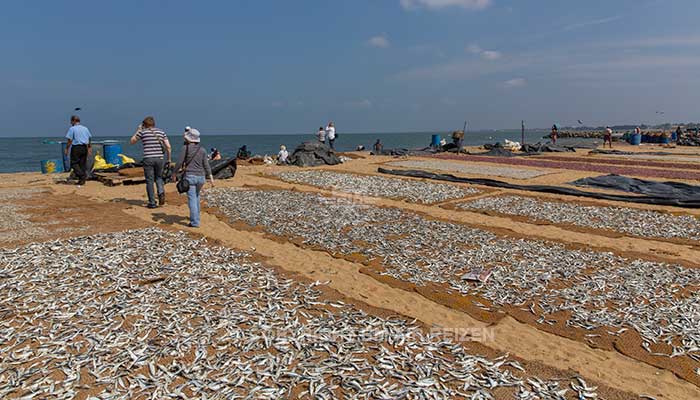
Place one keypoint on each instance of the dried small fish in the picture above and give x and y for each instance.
(635, 221)
(471, 168)
(598, 289)
(219, 326)
(379, 186)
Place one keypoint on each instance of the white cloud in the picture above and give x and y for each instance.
(490, 55)
(473, 48)
(379, 41)
(439, 4)
(485, 54)
(594, 22)
(515, 82)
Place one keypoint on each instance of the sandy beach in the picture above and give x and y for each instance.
(531, 319)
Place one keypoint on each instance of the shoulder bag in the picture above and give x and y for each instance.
(183, 186)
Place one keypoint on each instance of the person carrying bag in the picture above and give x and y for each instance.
(182, 184)
(193, 169)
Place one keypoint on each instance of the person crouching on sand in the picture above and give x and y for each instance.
(196, 169)
(155, 145)
(282, 155)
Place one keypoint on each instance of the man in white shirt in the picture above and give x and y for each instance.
(330, 134)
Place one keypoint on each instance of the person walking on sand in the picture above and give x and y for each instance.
(194, 164)
(330, 134)
(80, 147)
(378, 148)
(607, 136)
(555, 134)
(321, 135)
(155, 146)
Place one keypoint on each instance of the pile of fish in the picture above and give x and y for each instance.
(599, 288)
(379, 186)
(14, 224)
(470, 168)
(155, 314)
(633, 221)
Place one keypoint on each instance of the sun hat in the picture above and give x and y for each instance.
(192, 135)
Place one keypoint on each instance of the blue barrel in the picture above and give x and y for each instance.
(664, 139)
(111, 152)
(435, 141)
(674, 136)
(66, 157)
(635, 139)
(51, 166)
(645, 138)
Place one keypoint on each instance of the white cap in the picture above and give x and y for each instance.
(192, 135)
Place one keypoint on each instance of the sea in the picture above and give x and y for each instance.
(26, 154)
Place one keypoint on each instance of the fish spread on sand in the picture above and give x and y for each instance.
(471, 168)
(598, 289)
(634, 221)
(150, 313)
(378, 186)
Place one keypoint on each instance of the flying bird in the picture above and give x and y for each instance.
(77, 109)
(579, 122)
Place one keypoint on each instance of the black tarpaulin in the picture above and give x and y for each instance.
(687, 200)
(640, 186)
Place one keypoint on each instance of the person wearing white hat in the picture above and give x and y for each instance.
(193, 164)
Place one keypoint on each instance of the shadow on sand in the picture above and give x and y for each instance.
(170, 219)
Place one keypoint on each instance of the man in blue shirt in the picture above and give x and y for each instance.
(80, 147)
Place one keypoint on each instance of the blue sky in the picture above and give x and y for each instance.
(370, 65)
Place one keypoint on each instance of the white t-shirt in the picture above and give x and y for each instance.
(330, 132)
(282, 156)
(321, 135)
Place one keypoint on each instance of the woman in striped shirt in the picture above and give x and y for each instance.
(155, 146)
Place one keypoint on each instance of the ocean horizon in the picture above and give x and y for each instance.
(24, 154)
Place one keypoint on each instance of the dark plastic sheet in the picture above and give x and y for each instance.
(687, 198)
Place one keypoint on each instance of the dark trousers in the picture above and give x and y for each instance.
(153, 172)
(78, 161)
(331, 143)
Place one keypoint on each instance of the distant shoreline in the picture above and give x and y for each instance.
(436, 131)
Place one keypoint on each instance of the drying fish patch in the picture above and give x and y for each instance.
(633, 221)
(471, 168)
(592, 290)
(378, 186)
(15, 224)
(154, 314)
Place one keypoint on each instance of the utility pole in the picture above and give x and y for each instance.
(522, 132)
